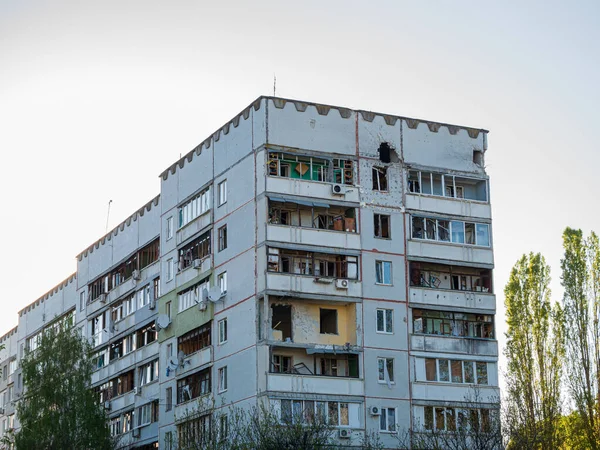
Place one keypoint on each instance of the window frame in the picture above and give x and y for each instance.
(385, 312)
(222, 331)
(222, 237)
(222, 379)
(384, 419)
(377, 225)
(170, 229)
(170, 270)
(382, 173)
(222, 193)
(382, 281)
(386, 362)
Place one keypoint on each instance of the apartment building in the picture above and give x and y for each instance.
(306, 257)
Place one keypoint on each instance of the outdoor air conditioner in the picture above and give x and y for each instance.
(344, 434)
(135, 433)
(338, 189)
(152, 304)
(197, 264)
(137, 275)
(341, 284)
(107, 405)
(375, 411)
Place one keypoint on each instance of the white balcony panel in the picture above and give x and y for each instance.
(189, 273)
(439, 297)
(449, 206)
(122, 289)
(146, 352)
(308, 285)
(449, 344)
(195, 361)
(312, 189)
(453, 252)
(122, 401)
(196, 225)
(312, 236)
(315, 384)
(149, 391)
(447, 392)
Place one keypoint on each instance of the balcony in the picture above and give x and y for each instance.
(448, 206)
(193, 227)
(196, 360)
(191, 272)
(311, 236)
(311, 285)
(450, 344)
(453, 392)
(463, 299)
(312, 189)
(315, 384)
(450, 252)
(122, 401)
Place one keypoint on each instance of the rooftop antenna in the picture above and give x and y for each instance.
(274, 84)
(108, 215)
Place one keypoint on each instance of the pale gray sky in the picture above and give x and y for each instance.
(97, 98)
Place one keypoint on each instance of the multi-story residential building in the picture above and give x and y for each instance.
(306, 257)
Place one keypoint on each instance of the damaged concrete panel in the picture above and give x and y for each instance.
(392, 194)
(372, 134)
(441, 149)
(311, 130)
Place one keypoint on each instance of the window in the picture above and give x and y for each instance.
(169, 227)
(199, 248)
(455, 371)
(169, 399)
(453, 324)
(168, 309)
(223, 379)
(387, 420)
(147, 414)
(336, 414)
(222, 192)
(222, 331)
(281, 364)
(194, 340)
(328, 321)
(287, 165)
(381, 226)
(385, 370)
(451, 419)
(169, 350)
(315, 264)
(170, 269)
(482, 376)
(82, 301)
(146, 335)
(123, 308)
(223, 238)
(380, 179)
(192, 296)
(169, 440)
(194, 207)
(223, 426)
(194, 433)
(451, 231)
(222, 281)
(440, 276)
(445, 185)
(148, 372)
(193, 386)
(312, 215)
(385, 320)
(383, 272)
(143, 297)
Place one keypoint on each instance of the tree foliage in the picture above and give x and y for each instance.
(58, 410)
(581, 282)
(535, 353)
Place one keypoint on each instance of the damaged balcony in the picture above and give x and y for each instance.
(453, 332)
(442, 284)
(448, 194)
(312, 273)
(194, 258)
(310, 176)
(312, 222)
(450, 239)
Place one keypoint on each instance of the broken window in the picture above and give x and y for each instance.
(193, 386)
(146, 335)
(328, 321)
(309, 168)
(281, 364)
(478, 157)
(194, 208)
(194, 340)
(447, 185)
(312, 215)
(454, 231)
(281, 322)
(385, 152)
(380, 179)
(382, 226)
(385, 369)
(199, 249)
(223, 238)
(308, 263)
(414, 181)
(453, 324)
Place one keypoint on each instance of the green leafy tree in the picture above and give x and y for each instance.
(58, 410)
(535, 355)
(581, 282)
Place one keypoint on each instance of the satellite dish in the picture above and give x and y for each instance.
(204, 295)
(163, 321)
(214, 294)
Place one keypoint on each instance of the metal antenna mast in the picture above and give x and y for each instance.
(108, 215)
(274, 84)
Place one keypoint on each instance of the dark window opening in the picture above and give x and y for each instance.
(282, 321)
(382, 226)
(197, 249)
(384, 152)
(478, 157)
(328, 321)
(193, 386)
(380, 179)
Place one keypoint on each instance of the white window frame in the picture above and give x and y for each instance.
(222, 282)
(384, 418)
(392, 376)
(170, 270)
(222, 379)
(382, 282)
(384, 312)
(222, 331)
(170, 229)
(222, 192)
(82, 300)
(144, 410)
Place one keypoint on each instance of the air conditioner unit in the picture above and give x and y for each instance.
(136, 275)
(135, 433)
(137, 390)
(107, 405)
(102, 298)
(338, 189)
(342, 284)
(152, 304)
(344, 434)
(202, 306)
(197, 264)
(375, 411)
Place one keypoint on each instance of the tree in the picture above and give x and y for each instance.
(535, 355)
(58, 410)
(581, 282)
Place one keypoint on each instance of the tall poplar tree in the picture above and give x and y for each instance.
(535, 352)
(581, 282)
(58, 410)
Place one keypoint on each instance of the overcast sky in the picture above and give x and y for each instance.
(97, 98)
